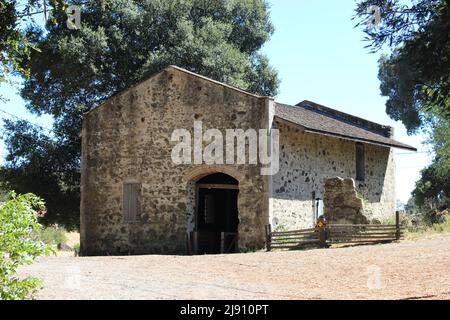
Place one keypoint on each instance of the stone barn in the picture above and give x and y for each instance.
(136, 198)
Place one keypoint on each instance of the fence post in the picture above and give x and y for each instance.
(323, 237)
(268, 236)
(397, 225)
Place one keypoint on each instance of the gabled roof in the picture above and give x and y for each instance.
(312, 117)
(315, 118)
(178, 69)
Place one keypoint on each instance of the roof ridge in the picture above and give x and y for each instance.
(375, 127)
(316, 122)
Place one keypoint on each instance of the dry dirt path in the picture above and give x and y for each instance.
(410, 269)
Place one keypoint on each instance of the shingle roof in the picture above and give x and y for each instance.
(315, 118)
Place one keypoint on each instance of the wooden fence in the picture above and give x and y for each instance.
(296, 239)
(333, 234)
(362, 233)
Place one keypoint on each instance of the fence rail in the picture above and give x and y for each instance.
(334, 234)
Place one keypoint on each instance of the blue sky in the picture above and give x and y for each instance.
(320, 56)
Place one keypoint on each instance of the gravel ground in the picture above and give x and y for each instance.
(406, 270)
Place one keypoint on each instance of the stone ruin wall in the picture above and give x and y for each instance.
(342, 204)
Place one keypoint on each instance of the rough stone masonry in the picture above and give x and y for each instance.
(135, 200)
(342, 203)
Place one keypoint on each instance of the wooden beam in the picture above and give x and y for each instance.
(217, 186)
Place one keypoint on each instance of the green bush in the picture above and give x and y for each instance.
(390, 220)
(443, 226)
(18, 244)
(281, 228)
(435, 216)
(425, 230)
(76, 249)
(52, 235)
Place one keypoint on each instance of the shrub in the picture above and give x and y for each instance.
(281, 228)
(52, 235)
(443, 226)
(18, 244)
(390, 220)
(436, 216)
(425, 230)
(76, 249)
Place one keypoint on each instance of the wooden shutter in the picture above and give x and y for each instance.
(360, 162)
(131, 201)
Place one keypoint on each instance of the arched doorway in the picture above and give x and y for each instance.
(216, 215)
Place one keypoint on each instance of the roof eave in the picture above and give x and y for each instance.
(345, 137)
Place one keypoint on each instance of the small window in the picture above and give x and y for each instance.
(131, 201)
(360, 162)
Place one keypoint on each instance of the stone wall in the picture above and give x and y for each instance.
(307, 160)
(341, 202)
(127, 139)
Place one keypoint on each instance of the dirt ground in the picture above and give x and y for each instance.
(406, 270)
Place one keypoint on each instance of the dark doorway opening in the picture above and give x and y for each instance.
(217, 217)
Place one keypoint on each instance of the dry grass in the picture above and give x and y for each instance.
(429, 232)
(73, 238)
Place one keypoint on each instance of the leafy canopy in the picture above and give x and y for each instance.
(416, 75)
(434, 185)
(15, 45)
(120, 43)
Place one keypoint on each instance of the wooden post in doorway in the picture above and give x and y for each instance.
(222, 242)
(189, 243)
(195, 242)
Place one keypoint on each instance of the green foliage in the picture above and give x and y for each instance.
(52, 235)
(434, 186)
(415, 76)
(281, 228)
(40, 165)
(416, 79)
(16, 44)
(389, 221)
(120, 43)
(435, 216)
(18, 246)
(443, 226)
(365, 201)
(76, 249)
(435, 228)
